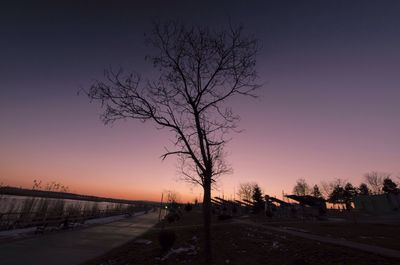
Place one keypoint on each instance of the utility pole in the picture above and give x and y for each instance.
(159, 214)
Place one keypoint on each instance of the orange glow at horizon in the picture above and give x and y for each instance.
(131, 167)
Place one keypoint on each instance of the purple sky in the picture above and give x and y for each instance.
(329, 107)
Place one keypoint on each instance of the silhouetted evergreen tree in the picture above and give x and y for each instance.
(363, 189)
(315, 192)
(257, 198)
(337, 195)
(389, 186)
(348, 195)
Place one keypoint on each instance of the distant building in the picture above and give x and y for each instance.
(378, 204)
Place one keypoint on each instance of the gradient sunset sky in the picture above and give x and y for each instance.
(329, 106)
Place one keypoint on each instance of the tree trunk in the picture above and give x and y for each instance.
(207, 220)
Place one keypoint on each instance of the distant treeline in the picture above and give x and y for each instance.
(63, 195)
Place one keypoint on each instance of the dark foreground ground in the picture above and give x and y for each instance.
(376, 234)
(239, 242)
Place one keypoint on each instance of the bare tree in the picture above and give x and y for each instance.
(374, 180)
(199, 70)
(301, 188)
(173, 196)
(245, 191)
(328, 187)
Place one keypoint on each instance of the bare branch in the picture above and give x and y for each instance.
(198, 70)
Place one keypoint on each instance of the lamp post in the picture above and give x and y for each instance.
(161, 204)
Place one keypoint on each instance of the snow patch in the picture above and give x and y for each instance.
(191, 249)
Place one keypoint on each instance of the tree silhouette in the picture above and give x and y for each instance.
(328, 187)
(257, 198)
(337, 195)
(199, 70)
(315, 192)
(389, 186)
(374, 180)
(348, 195)
(363, 189)
(301, 188)
(245, 190)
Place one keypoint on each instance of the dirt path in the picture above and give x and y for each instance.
(341, 242)
(75, 247)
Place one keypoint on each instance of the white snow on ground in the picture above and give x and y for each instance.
(191, 249)
(17, 232)
(22, 232)
(296, 229)
(275, 244)
(143, 241)
(105, 220)
(110, 219)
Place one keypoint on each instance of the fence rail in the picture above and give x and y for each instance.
(16, 220)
